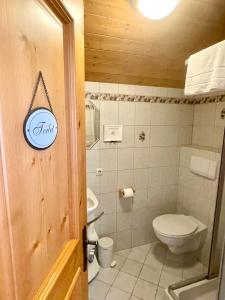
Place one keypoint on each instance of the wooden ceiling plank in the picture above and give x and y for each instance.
(169, 50)
(122, 29)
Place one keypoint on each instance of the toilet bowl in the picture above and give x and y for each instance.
(181, 233)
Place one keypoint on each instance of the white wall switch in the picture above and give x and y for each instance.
(113, 133)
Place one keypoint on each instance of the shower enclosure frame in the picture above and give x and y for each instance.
(213, 268)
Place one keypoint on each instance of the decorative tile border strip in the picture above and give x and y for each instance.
(154, 99)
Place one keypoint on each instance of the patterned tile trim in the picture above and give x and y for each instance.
(154, 99)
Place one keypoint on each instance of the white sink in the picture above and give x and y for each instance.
(92, 204)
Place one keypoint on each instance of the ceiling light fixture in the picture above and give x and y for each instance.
(156, 9)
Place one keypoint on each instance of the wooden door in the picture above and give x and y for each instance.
(42, 193)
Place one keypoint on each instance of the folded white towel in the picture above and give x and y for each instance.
(206, 71)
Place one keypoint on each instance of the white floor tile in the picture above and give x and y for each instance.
(116, 294)
(107, 275)
(151, 260)
(98, 290)
(125, 252)
(132, 267)
(138, 255)
(125, 282)
(150, 274)
(142, 273)
(167, 279)
(145, 290)
(120, 260)
(160, 294)
(173, 267)
(144, 248)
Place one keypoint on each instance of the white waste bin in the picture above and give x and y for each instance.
(105, 252)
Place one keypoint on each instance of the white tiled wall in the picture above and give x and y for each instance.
(208, 126)
(197, 195)
(127, 89)
(151, 167)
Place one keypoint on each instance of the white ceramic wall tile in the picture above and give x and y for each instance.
(171, 135)
(158, 136)
(124, 204)
(108, 88)
(142, 113)
(108, 182)
(159, 91)
(123, 239)
(172, 116)
(208, 112)
(206, 126)
(140, 217)
(144, 90)
(124, 220)
(171, 156)
(185, 114)
(93, 160)
(158, 114)
(126, 113)
(141, 158)
(155, 196)
(125, 159)
(141, 236)
(156, 156)
(108, 158)
(128, 137)
(140, 178)
(108, 202)
(171, 92)
(125, 178)
(218, 136)
(127, 89)
(109, 112)
(92, 87)
(184, 135)
(156, 176)
(140, 198)
(108, 223)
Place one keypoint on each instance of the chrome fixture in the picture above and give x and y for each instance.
(142, 136)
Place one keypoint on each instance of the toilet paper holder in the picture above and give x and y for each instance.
(121, 192)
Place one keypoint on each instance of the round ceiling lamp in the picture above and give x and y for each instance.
(156, 9)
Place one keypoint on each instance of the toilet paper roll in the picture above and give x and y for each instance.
(127, 193)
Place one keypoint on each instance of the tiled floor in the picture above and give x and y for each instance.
(143, 273)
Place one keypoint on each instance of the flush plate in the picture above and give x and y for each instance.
(113, 133)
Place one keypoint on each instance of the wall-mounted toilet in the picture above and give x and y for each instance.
(181, 233)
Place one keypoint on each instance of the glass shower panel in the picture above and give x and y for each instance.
(219, 223)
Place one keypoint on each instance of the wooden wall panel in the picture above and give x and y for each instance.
(114, 28)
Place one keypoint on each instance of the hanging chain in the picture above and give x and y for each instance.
(40, 78)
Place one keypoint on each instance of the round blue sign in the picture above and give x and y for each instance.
(40, 128)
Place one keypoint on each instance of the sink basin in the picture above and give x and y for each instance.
(92, 204)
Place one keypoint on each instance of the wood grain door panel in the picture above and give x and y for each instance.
(43, 201)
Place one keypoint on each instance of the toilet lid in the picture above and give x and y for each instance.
(174, 225)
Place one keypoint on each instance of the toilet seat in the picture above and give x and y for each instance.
(172, 225)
